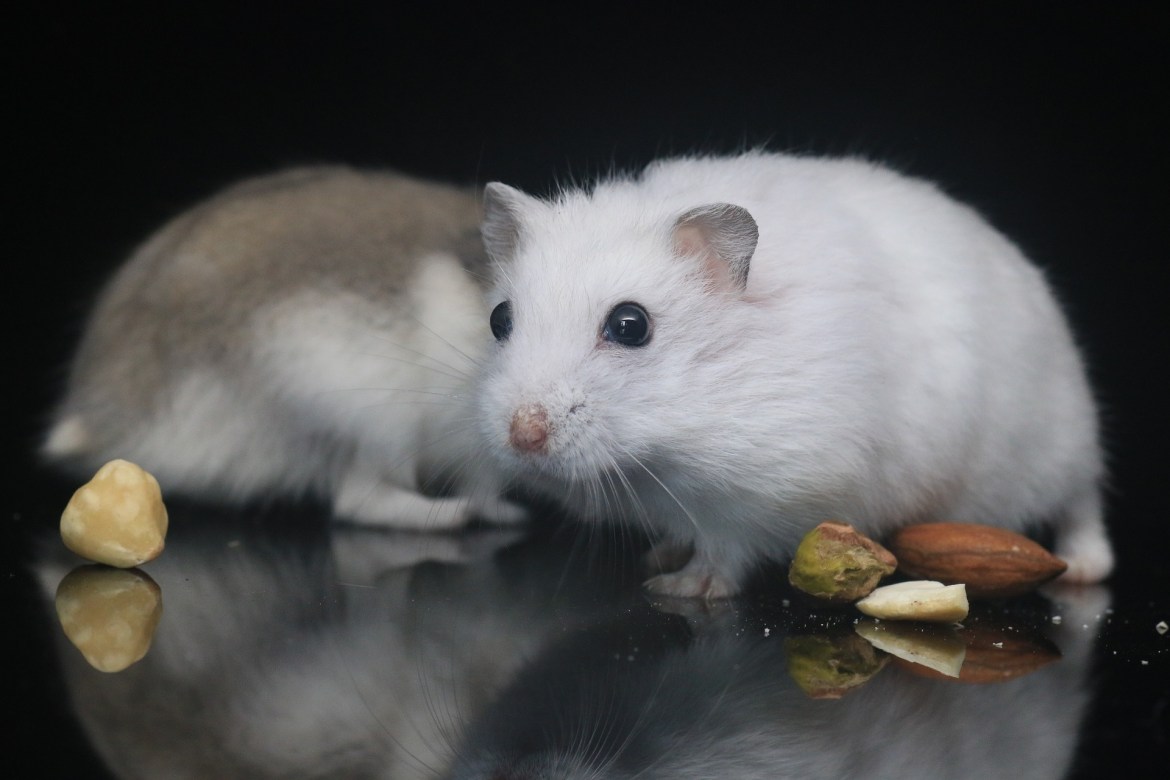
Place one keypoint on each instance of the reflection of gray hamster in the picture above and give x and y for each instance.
(272, 660)
(730, 350)
(313, 330)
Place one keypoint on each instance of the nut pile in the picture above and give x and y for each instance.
(947, 563)
(914, 622)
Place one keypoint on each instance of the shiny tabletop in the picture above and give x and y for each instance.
(279, 644)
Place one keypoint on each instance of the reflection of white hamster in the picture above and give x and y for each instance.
(730, 350)
(631, 699)
(313, 330)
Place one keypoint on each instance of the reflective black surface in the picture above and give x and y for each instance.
(288, 647)
(291, 647)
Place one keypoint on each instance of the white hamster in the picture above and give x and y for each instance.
(310, 331)
(729, 350)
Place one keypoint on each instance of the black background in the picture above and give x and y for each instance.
(1051, 119)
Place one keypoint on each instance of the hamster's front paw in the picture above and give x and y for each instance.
(365, 498)
(667, 556)
(693, 582)
(500, 511)
(363, 556)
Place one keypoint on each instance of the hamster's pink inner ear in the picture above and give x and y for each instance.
(723, 237)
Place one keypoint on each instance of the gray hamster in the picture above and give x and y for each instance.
(310, 331)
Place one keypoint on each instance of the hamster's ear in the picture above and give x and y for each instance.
(504, 208)
(723, 237)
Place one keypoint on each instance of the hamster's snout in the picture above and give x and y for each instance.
(529, 430)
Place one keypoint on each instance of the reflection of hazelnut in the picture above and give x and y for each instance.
(118, 517)
(837, 563)
(109, 614)
(991, 562)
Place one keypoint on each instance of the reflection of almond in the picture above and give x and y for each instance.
(991, 562)
(995, 656)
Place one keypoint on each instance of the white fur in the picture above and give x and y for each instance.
(892, 359)
(393, 387)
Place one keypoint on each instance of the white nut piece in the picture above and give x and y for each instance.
(935, 647)
(117, 518)
(917, 600)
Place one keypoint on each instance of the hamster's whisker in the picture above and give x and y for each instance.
(393, 350)
(592, 725)
(682, 507)
(450, 344)
(610, 488)
(597, 759)
(452, 466)
(385, 730)
(454, 731)
(391, 390)
(635, 501)
(434, 366)
(446, 475)
(640, 723)
(451, 729)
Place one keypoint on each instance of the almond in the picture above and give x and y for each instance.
(991, 562)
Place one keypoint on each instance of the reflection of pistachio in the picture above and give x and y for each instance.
(835, 562)
(109, 614)
(917, 600)
(936, 647)
(829, 666)
(118, 517)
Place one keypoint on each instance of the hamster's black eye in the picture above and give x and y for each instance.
(628, 324)
(501, 321)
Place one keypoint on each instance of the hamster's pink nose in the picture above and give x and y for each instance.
(529, 431)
